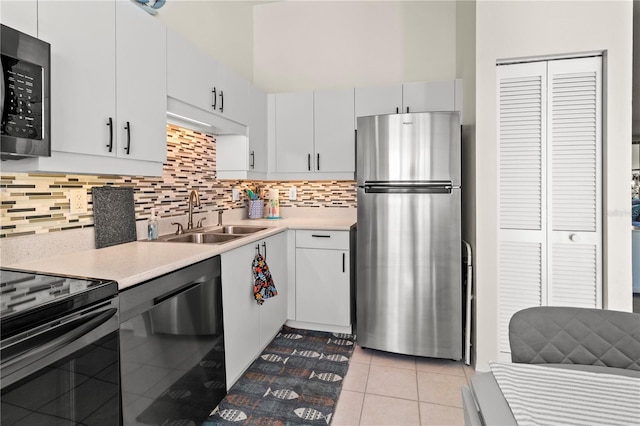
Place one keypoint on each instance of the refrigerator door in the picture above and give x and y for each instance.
(408, 271)
(409, 147)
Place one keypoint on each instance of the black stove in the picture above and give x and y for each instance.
(29, 298)
(59, 349)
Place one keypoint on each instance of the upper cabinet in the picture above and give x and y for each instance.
(191, 73)
(198, 80)
(233, 95)
(378, 100)
(314, 134)
(108, 100)
(141, 89)
(257, 130)
(428, 96)
(294, 132)
(21, 15)
(334, 125)
(409, 97)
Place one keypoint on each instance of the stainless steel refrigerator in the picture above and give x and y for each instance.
(408, 254)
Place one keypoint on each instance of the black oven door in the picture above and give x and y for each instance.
(70, 374)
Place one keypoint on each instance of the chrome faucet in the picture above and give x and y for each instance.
(194, 201)
(220, 217)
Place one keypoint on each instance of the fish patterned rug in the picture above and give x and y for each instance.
(296, 380)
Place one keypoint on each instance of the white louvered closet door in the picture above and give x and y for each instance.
(574, 152)
(522, 163)
(549, 135)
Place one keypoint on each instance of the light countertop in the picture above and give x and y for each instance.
(133, 263)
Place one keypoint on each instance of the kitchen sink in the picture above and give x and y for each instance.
(239, 229)
(201, 238)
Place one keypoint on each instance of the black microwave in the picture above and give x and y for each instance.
(24, 95)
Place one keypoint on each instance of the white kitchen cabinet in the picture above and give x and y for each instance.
(323, 292)
(141, 105)
(21, 15)
(314, 133)
(273, 313)
(198, 80)
(258, 159)
(428, 96)
(378, 100)
(108, 100)
(409, 97)
(191, 73)
(334, 126)
(233, 95)
(248, 327)
(294, 132)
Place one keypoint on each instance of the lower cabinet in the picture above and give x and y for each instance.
(323, 292)
(248, 327)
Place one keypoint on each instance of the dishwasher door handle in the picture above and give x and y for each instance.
(183, 289)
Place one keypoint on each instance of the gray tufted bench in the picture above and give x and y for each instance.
(596, 340)
(563, 335)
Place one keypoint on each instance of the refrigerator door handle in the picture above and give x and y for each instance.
(388, 188)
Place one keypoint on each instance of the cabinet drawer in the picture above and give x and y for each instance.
(338, 240)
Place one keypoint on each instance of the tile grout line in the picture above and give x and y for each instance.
(365, 395)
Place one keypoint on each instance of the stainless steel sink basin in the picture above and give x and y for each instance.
(240, 229)
(201, 238)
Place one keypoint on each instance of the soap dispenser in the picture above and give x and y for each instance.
(152, 226)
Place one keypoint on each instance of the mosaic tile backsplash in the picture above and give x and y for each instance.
(38, 203)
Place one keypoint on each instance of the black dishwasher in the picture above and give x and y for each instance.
(172, 347)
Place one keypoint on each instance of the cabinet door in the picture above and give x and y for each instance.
(191, 73)
(22, 16)
(334, 126)
(240, 311)
(377, 100)
(273, 313)
(233, 95)
(257, 130)
(322, 286)
(294, 132)
(83, 83)
(141, 84)
(428, 96)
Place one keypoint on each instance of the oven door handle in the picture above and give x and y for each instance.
(43, 344)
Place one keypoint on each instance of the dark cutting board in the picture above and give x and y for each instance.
(113, 215)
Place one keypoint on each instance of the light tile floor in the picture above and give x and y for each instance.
(381, 388)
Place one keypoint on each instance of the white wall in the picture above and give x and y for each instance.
(524, 29)
(224, 29)
(331, 44)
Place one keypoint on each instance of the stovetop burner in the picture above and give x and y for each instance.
(31, 297)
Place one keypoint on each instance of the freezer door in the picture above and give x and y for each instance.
(409, 147)
(408, 272)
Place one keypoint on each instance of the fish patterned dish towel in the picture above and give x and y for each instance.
(263, 287)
